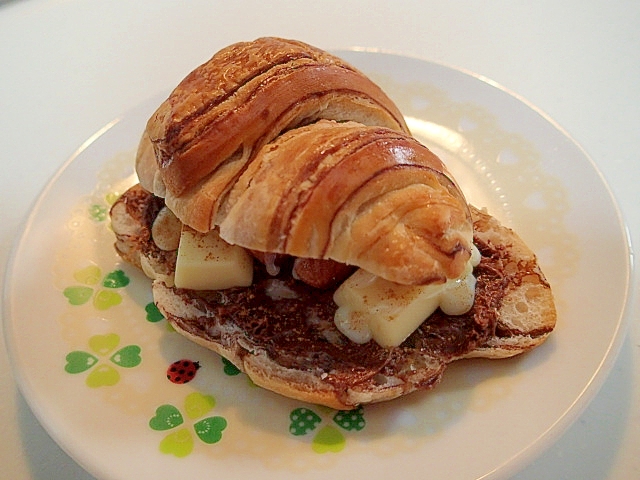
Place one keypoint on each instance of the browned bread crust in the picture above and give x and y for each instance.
(527, 312)
(239, 100)
(364, 196)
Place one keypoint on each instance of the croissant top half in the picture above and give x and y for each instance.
(288, 149)
(242, 98)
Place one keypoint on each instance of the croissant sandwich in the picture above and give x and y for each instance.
(291, 223)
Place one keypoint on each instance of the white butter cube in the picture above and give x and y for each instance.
(370, 307)
(389, 311)
(206, 262)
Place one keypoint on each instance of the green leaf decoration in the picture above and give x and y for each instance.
(106, 299)
(178, 443)
(153, 314)
(98, 212)
(104, 344)
(127, 357)
(197, 404)
(328, 439)
(78, 295)
(115, 279)
(303, 421)
(229, 368)
(79, 361)
(103, 376)
(111, 197)
(89, 275)
(166, 418)
(350, 419)
(209, 430)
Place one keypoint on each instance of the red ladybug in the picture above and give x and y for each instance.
(182, 371)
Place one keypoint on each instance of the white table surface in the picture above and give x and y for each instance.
(67, 67)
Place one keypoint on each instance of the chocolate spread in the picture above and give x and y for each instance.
(293, 323)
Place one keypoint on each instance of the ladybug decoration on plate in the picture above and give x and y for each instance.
(182, 371)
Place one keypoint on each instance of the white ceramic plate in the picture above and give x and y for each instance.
(92, 358)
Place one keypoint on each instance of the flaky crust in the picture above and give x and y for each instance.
(364, 196)
(204, 134)
(289, 149)
(527, 311)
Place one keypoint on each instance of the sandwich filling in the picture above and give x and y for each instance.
(366, 307)
(369, 307)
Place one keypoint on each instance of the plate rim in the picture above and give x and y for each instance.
(547, 438)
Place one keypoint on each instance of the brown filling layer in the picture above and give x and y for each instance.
(293, 324)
